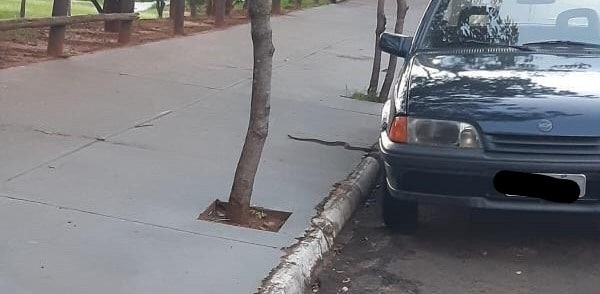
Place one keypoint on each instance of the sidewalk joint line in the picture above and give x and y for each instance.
(133, 221)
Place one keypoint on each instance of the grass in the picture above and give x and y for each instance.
(364, 97)
(41, 8)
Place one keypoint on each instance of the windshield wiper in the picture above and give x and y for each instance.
(520, 48)
(563, 43)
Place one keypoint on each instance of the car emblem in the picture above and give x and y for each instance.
(545, 125)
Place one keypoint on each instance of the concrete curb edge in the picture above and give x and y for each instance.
(293, 273)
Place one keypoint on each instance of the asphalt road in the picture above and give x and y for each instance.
(456, 251)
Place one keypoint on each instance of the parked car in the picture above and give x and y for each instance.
(494, 86)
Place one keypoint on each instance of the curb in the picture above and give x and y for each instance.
(294, 271)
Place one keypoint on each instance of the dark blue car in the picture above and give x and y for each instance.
(497, 107)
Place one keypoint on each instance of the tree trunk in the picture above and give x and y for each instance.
(172, 5)
(70, 5)
(56, 36)
(210, 7)
(276, 7)
(111, 6)
(219, 13)
(297, 4)
(22, 14)
(97, 5)
(193, 9)
(258, 128)
(178, 16)
(228, 7)
(127, 6)
(374, 83)
(160, 8)
(401, 10)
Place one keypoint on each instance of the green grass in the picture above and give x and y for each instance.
(41, 8)
(364, 97)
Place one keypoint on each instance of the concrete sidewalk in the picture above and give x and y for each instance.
(109, 158)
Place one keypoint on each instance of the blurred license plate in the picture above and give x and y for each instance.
(580, 179)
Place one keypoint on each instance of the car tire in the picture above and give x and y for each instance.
(400, 215)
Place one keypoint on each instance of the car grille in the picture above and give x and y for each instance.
(566, 145)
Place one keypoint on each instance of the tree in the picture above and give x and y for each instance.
(381, 21)
(210, 7)
(229, 7)
(219, 6)
(22, 14)
(193, 9)
(160, 8)
(401, 10)
(258, 127)
(111, 6)
(276, 6)
(178, 16)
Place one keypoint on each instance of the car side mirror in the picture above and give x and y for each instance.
(395, 44)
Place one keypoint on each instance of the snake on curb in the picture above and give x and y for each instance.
(331, 143)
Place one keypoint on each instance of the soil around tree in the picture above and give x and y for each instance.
(26, 46)
(260, 218)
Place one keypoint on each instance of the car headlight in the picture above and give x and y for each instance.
(433, 132)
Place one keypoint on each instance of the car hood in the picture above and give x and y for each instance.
(509, 93)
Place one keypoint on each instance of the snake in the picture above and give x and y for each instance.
(331, 143)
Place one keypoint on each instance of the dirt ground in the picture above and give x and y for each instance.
(458, 252)
(25, 46)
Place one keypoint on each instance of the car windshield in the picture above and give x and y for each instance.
(513, 23)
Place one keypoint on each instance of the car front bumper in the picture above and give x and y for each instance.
(450, 176)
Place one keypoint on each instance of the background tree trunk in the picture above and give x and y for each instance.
(210, 7)
(111, 6)
(97, 6)
(160, 8)
(276, 6)
(258, 128)
(178, 16)
(298, 4)
(172, 7)
(219, 13)
(228, 7)
(70, 5)
(22, 12)
(401, 10)
(374, 83)
(56, 35)
(193, 9)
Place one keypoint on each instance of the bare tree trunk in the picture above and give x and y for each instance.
(401, 10)
(160, 8)
(193, 9)
(111, 6)
(97, 5)
(258, 128)
(56, 36)
(69, 8)
(276, 7)
(22, 14)
(219, 13)
(172, 7)
(228, 7)
(210, 7)
(297, 4)
(374, 83)
(178, 16)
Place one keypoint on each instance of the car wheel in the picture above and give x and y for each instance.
(400, 215)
